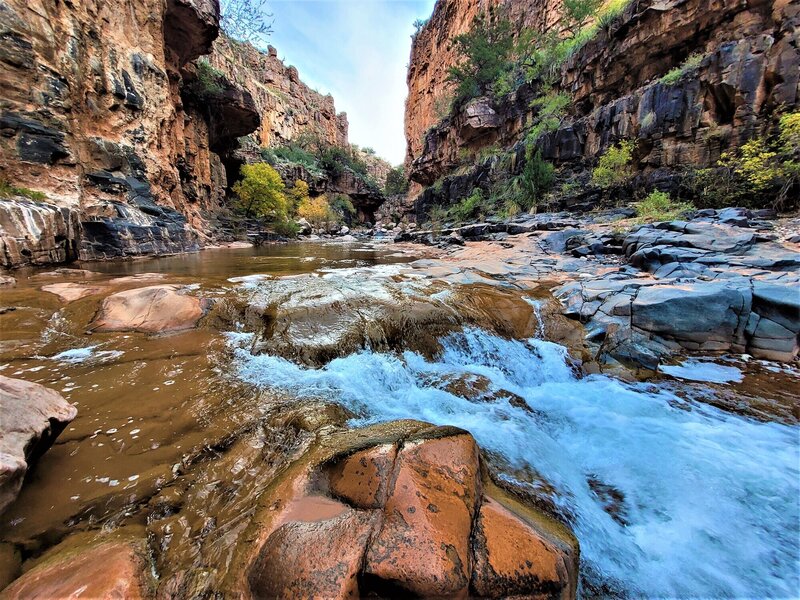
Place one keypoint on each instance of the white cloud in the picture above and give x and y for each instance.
(356, 50)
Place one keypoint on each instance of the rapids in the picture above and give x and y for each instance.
(709, 498)
(671, 490)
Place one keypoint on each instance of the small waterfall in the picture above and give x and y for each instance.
(707, 499)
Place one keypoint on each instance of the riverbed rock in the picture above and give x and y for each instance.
(7, 281)
(110, 570)
(153, 309)
(399, 505)
(32, 418)
(507, 551)
(70, 291)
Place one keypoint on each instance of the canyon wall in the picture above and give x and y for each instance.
(432, 55)
(749, 71)
(288, 107)
(105, 109)
(91, 115)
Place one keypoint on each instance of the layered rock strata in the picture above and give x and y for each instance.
(287, 106)
(748, 70)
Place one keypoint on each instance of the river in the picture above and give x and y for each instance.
(670, 493)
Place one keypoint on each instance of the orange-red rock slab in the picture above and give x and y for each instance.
(108, 571)
(512, 558)
(423, 546)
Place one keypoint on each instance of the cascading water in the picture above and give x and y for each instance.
(710, 499)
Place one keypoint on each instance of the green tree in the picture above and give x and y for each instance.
(578, 13)
(260, 192)
(486, 51)
(614, 166)
(396, 182)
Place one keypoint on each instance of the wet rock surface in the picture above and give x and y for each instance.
(36, 233)
(724, 281)
(405, 511)
(112, 569)
(152, 309)
(32, 418)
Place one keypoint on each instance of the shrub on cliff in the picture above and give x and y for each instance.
(615, 165)
(260, 192)
(765, 170)
(396, 182)
(10, 191)
(208, 81)
(486, 51)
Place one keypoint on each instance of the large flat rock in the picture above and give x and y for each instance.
(153, 309)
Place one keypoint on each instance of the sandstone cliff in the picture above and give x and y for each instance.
(106, 110)
(288, 107)
(750, 51)
(432, 55)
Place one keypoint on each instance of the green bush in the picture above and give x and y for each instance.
(614, 167)
(9, 191)
(286, 227)
(342, 204)
(469, 207)
(659, 206)
(396, 182)
(690, 64)
(550, 111)
(527, 190)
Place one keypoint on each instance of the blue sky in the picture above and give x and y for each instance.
(356, 50)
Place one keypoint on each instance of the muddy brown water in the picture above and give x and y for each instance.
(167, 439)
(145, 403)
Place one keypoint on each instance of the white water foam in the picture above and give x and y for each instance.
(87, 353)
(711, 498)
(697, 370)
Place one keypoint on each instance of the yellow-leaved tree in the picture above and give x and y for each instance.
(317, 211)
(261, 192)
(297, 194)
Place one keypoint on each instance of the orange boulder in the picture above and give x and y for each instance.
(110, 570)
(423, 546)
(153, 309)
(511, 557)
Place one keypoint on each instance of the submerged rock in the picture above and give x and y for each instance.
(70, 291)
(153, 309)
(32, 418)
(114, 569)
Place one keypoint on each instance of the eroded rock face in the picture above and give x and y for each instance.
(286, 105)
(113, 569)
(34, 233)
(153, 309)
(32, 418)
(750, 55)
(92, 116)
(400, 515)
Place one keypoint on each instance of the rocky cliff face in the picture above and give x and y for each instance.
(104, 110)
(92, 115)
(432, 56)
(287, 106)
(749, 69)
